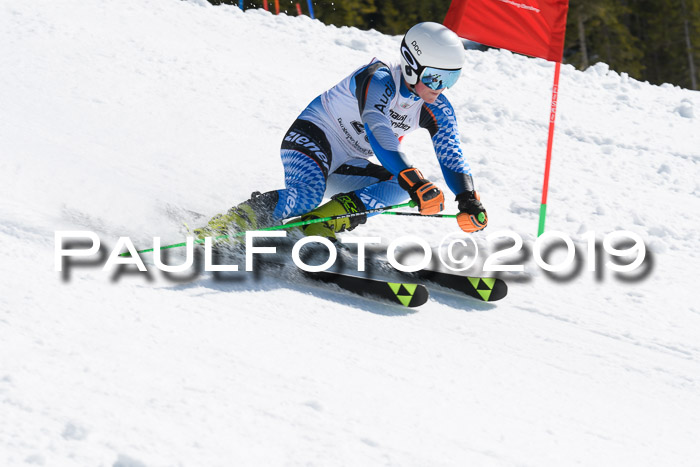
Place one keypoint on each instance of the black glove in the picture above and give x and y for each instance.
(424, 193)
(472, 215)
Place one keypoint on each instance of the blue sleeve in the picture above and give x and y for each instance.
(374, 89)
(439, 119)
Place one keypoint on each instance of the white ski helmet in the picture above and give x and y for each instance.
(435, 47)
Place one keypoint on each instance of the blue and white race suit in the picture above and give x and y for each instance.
(327, 149)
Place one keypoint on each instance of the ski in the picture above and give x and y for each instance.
(406, 294)
(487, 289)
(410, 295)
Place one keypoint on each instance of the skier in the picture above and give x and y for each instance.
(326, 149)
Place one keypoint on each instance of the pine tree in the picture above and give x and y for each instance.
(690, 11)
(397, 16)
(671, 38)
(345, 12)
(597, 31)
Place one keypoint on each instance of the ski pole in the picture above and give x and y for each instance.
(410, 204)
(481, 216)
(290, 225)
(397, 213)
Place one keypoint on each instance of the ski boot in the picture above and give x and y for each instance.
(344, 203)
(253, 214)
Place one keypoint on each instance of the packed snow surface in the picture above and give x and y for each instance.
(115, 114)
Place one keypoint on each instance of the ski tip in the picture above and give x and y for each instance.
(498, 291)
(488, 289)
(409, 295)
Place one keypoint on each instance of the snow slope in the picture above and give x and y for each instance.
(112, 111)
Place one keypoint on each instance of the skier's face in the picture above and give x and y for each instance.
(427, 94)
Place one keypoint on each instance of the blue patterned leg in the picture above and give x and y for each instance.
(382, 194)
(305, 184)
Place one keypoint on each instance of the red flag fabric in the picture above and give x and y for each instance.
(530, 27)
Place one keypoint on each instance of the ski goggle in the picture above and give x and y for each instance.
(437, 78)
